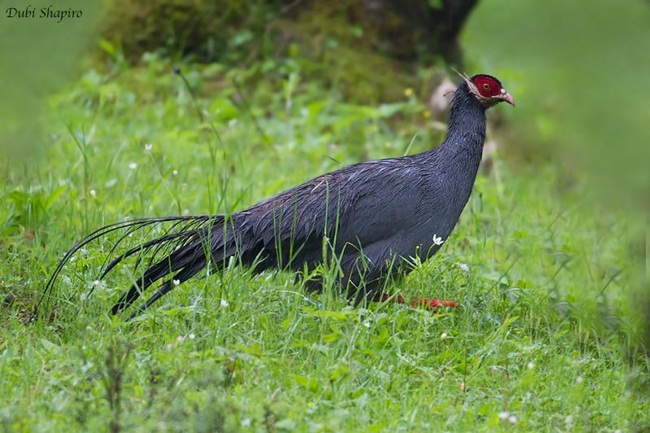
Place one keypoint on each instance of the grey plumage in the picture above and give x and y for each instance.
(375, 215)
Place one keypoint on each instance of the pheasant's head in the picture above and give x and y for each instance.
(488, 90)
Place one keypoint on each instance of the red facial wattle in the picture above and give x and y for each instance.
(487, 86)
(490, 87)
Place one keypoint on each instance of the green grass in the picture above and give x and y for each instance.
(544, 341)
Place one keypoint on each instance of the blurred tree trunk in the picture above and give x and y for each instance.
(407, 30)
(433, 26)
(436, 25)
(447, 23)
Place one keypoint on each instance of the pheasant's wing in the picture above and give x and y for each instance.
(363, 206)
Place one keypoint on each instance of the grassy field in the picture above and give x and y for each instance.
(544, 339)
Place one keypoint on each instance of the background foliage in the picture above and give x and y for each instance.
(545, 260)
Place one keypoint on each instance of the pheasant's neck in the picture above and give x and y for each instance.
(459, 156)
(466, 131)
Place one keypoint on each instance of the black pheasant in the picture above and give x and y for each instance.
(373, 217)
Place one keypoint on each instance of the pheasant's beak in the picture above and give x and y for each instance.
(505, 96)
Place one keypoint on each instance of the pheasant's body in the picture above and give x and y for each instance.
(373, 215)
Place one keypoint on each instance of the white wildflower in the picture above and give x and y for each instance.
(580, 379)
(148, 147)
(191, 336)
(93, 193)
(224, 303)
(506, 416)
(463, 267)
(176, 282)
(437, 240)
(443, 336)
(175, 173)
(133, 166)
(530, 365)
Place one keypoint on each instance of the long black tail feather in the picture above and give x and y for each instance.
(188, 257)
(184, 249)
